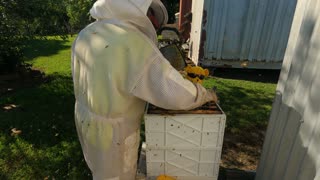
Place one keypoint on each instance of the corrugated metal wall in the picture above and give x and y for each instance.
(251, 30)
(292, 145)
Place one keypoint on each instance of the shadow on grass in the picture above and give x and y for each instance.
(44, 47)
(47, 146)
(254, 75)
(245, 108)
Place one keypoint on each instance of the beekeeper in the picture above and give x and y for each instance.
(116, 69)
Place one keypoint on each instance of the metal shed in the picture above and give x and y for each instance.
(242, 33)
(291, 149)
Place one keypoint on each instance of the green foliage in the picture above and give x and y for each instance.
(47, 17)
(23, 20)
(11, 36)
(78, 13)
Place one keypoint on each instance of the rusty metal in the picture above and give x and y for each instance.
(184, 18)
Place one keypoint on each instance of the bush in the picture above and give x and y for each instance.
(78, 13)
(11, 36)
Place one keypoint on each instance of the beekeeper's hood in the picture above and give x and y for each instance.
(133, 12)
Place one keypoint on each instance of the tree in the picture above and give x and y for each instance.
(78, 13)
(11, 35)
(22, 20)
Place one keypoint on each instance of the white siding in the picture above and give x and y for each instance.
(256, 31)
(291, 149)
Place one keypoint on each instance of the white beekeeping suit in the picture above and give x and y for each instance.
(117, 68)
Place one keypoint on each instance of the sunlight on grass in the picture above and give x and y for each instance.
(51, 55)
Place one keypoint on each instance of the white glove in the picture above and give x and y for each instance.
(205, 95)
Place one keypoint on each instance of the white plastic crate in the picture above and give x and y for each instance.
(187, 146)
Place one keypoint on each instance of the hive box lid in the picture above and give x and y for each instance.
(208, 108)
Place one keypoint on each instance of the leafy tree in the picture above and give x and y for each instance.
(22, 20)
(78, 13)
(11, 35)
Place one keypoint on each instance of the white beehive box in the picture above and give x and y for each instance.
(184, 144)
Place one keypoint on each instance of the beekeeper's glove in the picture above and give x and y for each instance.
(206, 94)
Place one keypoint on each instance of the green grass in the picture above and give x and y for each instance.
(48, 146)
(247, 104)
(50, 55)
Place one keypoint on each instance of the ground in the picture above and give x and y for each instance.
(38, 138)
(242, 150)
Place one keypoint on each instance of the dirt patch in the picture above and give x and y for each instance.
(242, 151)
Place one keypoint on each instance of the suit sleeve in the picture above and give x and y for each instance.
(161, 85)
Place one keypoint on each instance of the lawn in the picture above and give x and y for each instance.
(44, 143)
(47, 146)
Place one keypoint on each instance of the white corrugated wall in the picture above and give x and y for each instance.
(241, 30)
(291, 149)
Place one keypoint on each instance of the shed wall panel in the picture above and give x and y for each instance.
(291, 148)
